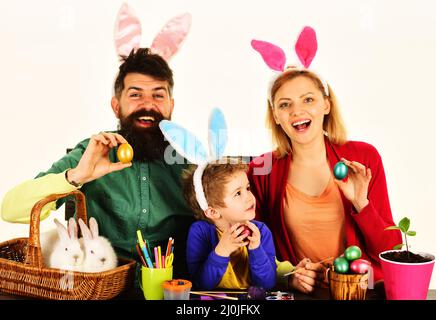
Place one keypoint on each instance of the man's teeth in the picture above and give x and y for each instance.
(146, 118)
(300, 122)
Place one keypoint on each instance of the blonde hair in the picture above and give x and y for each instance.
(333, 124)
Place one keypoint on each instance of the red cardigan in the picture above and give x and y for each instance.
(364, 229)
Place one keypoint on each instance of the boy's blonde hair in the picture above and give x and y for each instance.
(333, 123)
(215, 177)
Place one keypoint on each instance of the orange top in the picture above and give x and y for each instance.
(316, 225)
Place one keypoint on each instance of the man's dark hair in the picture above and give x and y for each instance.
(144, 62)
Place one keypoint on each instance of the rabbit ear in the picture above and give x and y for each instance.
(94, 227)
(171, 36)
(86, 233)
(217, 133)
(184, 142)
(127, 31)
(72, 228)
(62, 231)
(273, 55)
(306, 46)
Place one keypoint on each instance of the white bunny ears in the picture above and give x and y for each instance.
(166, 43)
(187, 145)
(305, 48)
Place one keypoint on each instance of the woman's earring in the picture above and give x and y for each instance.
(325, 133)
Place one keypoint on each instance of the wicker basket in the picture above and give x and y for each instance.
(22, 270)
(347, 286)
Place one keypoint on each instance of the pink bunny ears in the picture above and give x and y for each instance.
(305, 48)
(166, 43)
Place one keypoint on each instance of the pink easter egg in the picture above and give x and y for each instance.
(360, 266)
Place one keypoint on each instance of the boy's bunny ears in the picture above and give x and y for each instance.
(305, 48)
(166, 43)
(187, 145)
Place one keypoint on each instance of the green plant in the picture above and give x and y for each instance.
(403, 226)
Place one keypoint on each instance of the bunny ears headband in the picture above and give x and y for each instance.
(275, 58)
(187, 145)
(166, 43)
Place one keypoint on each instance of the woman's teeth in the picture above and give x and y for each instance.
(300, 125)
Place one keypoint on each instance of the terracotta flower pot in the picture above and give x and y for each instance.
(406, 281)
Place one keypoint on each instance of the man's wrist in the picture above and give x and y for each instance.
(72, 178)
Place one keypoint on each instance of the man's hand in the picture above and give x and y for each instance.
(95, 161)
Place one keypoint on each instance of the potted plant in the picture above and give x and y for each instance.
(406, 274)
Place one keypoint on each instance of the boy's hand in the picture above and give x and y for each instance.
(231, 240)
(255, 236)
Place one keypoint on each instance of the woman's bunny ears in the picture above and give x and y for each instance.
(187, 145)
(275, 57)
(166, 43)
(305, 48)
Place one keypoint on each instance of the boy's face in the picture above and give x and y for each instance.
(240, 202)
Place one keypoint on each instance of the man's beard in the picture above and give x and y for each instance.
(148, 143)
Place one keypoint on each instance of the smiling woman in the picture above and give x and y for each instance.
(312, 215)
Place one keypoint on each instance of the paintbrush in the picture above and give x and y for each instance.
(296, 269)
(206, 293)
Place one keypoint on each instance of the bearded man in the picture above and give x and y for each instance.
(144, 194)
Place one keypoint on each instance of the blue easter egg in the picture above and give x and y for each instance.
(340, 170)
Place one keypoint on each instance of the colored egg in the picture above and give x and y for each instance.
(360, 266)
(246, 231)
(340, 170)
(125, 153)
(341, 265)
(352, 253)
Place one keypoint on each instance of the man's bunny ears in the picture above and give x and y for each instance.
(187, 145)
(166, 43)
(305, 48)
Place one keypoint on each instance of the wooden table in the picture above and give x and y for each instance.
(320, 294)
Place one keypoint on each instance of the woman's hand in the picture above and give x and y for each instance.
(95, 161)
(231, 240)
(308, 276)
(355, 189)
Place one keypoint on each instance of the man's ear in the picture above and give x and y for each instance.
(171, 106)
(115, 106)
(212, 214)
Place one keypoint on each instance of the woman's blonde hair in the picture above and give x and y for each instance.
(333, 124)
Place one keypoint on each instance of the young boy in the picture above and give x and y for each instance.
(220, 253)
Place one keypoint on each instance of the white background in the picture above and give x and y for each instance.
(58, 64)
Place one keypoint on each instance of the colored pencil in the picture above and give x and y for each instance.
(138, 249)
(159, 255)
(156, 257)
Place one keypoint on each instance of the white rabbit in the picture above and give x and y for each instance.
(61, 248)
(99, 254)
